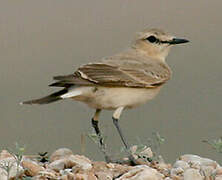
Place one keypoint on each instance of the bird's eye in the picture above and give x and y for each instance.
(151, 39)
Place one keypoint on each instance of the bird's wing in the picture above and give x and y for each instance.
(117, 74)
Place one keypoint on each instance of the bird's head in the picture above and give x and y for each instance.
(156, 43)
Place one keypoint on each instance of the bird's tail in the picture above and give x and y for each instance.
(47, 99)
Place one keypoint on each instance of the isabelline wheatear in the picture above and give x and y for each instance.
(121, 81)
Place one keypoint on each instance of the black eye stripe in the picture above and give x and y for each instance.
(153, 39)
(164, 42)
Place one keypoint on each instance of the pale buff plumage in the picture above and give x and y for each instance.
(124, 80)
(127, 79)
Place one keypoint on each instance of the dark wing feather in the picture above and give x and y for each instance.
(141, 75)
(69, 80)
(128, 74)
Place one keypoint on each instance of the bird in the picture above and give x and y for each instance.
(122, 81)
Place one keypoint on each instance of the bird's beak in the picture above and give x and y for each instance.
(177, 41)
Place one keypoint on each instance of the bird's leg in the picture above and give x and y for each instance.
(116, 116)
(95, 122)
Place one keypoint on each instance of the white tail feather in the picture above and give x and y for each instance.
(71, 93)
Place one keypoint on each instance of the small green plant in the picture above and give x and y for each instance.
(7, 166)
(18, 155)
(215, 144)
(93, 137)
(96, 139)
(154, 142)
(102, 146)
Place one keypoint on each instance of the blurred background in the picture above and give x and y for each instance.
(44, 38)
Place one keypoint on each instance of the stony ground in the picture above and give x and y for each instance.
(64, 165)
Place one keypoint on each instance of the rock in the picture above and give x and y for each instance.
(48, 174)
(175, 177)
(58, 165)
(176, 171)
(71, 176)
(70, 161)
(218, 178)
(118, 169)
(104, 175)
(195, 165)
(31, 168)
(66, 166)
(67, 174)
(145, 152)
(101, 165)
(3, 174)
(204, 167)
(192, 174)
(80, 161)
(110, 170)
(64, 177)
(5, 154)
(11, 164)
(181, 164)
(167, 178)
(60, 154)
(65, 171)
(91, 176)
(207, 171)
(142, 172)
(39, 178)
(194, 159)
(219, 171)
(79, 176)
(163, 166)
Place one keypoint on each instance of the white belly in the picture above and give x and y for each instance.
(112, 97)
